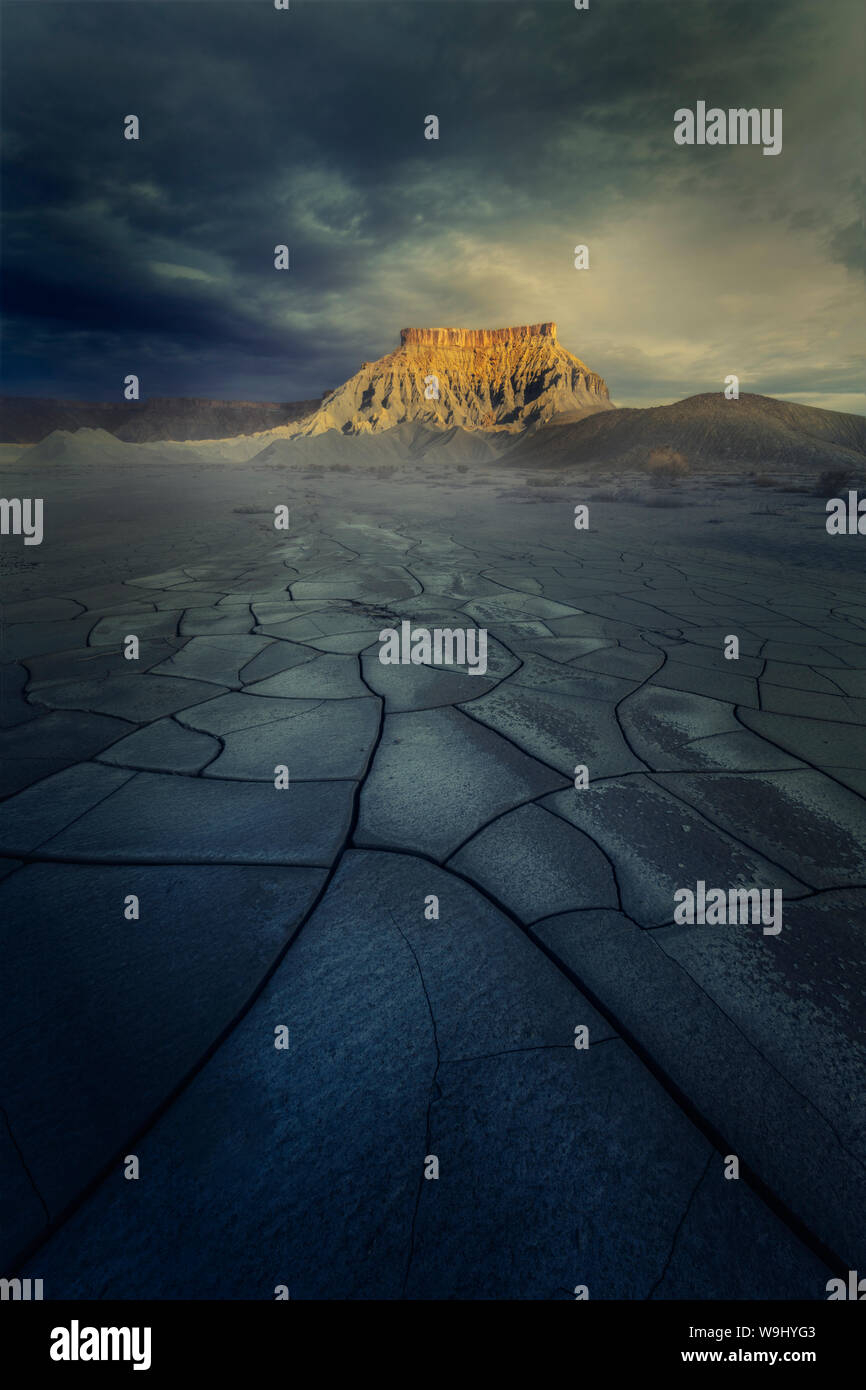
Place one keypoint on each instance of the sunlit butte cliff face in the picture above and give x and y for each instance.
(477, 378)
(475, 337)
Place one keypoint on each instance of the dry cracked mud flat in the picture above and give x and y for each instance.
(259, 907)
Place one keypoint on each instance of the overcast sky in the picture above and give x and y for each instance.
(306, 127)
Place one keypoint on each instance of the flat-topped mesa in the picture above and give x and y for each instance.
(486, 379)
(475, 337)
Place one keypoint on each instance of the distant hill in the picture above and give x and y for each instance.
(708, 430)
(74, 446)
(29, 419)
(550, 413)
(405, 443)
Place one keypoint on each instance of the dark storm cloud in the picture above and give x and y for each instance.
(305, 127)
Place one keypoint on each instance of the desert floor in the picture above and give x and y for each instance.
(263, 908)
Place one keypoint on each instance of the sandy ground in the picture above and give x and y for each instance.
(414, 1036)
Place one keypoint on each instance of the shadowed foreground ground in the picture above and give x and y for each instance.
(304, 907)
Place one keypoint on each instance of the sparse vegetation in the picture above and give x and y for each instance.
(833, 481)
(666, 465)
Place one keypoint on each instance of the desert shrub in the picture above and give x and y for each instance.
(463, 468)
(832, 481)
(664, 465)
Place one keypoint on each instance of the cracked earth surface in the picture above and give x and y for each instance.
(304, 907)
